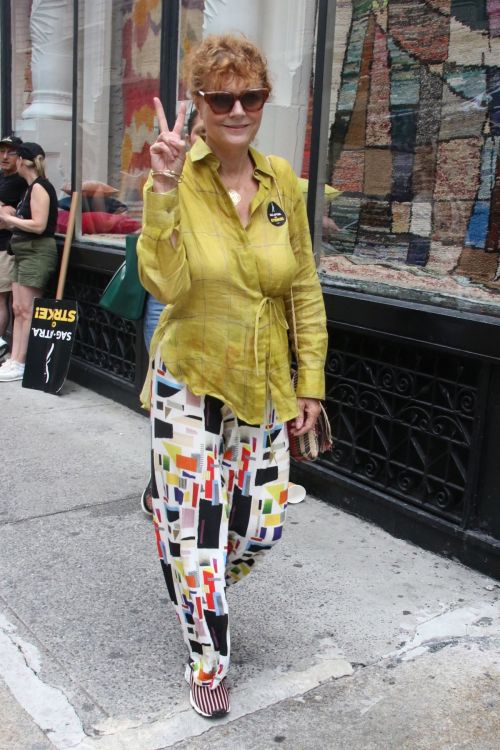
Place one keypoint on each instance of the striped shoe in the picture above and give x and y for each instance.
(212, 704)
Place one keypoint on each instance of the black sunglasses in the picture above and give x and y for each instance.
(222, 102)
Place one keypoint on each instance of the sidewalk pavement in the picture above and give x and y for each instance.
(345, 638)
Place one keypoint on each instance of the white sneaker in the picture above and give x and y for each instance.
(11, 370)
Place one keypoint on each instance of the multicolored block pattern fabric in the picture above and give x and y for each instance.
(220, 491)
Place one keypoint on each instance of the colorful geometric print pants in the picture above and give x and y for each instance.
(220, 490)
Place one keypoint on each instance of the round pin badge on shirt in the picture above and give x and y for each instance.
(275, 214)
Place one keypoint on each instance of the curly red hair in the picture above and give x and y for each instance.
(220, 57)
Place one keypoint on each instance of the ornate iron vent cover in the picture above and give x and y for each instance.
(403, 419)
(102, 340)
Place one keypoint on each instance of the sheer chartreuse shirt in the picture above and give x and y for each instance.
(227, 289)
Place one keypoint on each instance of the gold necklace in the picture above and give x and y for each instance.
(235, 196)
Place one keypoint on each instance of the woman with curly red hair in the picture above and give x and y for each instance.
(225, 245)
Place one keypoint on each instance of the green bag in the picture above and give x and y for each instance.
(124, 295)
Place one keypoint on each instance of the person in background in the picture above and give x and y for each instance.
(154, 308)
(12, 188)
(328, 226)
(225, 245)
(34, 248)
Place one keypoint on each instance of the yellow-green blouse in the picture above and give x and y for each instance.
(227, 288)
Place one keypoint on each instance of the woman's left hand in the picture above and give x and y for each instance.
(6, 214)
(309, 409)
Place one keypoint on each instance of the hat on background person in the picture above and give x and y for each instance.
(11, 140)
(30, 151)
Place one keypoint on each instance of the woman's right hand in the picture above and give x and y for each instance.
(168, 152)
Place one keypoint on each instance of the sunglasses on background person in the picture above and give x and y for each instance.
(222, 102)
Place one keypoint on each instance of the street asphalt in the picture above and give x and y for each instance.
(345, 638)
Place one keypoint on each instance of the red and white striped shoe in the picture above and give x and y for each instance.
(212, 704)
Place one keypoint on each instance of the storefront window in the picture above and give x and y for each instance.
(118, 76)
(120, 69)
(414, 149)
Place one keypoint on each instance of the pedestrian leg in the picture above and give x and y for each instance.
(190, 514)
(257, 465)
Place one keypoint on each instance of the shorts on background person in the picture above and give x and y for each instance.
(6, 271)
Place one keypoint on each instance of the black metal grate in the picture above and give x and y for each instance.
(403, 419)
(103, 340)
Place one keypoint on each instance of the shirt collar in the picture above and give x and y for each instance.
(200, 151)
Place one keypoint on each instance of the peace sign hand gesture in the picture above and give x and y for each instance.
(168, 152)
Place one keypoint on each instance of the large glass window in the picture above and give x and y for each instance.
(415, 151)
(118, 75)
(120, 69)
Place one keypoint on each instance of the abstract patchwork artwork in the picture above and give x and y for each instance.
(415, 139)
(140, 53)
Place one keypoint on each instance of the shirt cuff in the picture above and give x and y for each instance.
(161, 210)
(311, 384)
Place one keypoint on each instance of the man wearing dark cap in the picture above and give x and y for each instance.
(12, 189)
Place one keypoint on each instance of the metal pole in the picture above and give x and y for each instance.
(74, 96)
(169, 57)
(320, 118)
(6, 67)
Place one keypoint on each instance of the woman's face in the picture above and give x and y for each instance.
(236, 129)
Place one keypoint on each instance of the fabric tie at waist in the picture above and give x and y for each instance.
(275, 310)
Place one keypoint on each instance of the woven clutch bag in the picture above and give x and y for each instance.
(307, 447)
